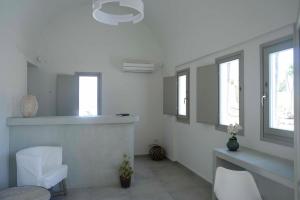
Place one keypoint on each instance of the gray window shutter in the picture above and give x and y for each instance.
(170, 96)
(207, 94)
(67, 95)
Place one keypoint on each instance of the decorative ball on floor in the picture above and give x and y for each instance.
(157, 152)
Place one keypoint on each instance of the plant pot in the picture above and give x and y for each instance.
(125, 182)
(233, 144)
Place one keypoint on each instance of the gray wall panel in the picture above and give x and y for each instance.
(67, 95)
(170, 95)
(92, 152)
(207, 94)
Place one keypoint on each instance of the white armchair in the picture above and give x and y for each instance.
(41, 166)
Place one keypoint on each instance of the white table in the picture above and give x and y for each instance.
(272, 174)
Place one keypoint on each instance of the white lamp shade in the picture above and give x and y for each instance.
(113, 19)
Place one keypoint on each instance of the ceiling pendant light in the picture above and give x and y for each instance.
(136, 6)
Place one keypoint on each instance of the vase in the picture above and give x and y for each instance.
(125, 182)
(233, 144)
(29, 106)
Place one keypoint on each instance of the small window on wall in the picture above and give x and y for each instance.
(230, 70)
(89, 94)
(277, 97)
(183, 81)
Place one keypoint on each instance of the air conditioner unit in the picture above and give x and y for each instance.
(138, 67)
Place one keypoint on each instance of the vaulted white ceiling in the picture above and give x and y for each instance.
(192, 28)
(20, 19)
(185, 28)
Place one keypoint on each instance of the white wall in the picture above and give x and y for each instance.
(193, 144)
(12, 88)
(75, 42)
(12, 81)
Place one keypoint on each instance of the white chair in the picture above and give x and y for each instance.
(41, 166)
(235, 185)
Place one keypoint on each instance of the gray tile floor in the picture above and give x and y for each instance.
(164, 180)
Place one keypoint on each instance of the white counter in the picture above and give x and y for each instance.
(67, 120)
(93, 147)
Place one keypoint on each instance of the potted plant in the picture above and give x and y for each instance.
(232, 143)
(125, 172)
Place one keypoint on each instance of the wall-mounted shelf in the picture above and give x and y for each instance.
(275, 169)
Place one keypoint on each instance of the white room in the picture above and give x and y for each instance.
(141, 99)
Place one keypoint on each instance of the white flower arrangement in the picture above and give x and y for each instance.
(234, 129)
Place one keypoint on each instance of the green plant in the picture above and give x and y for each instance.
(125, 168)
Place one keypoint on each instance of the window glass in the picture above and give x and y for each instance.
(229, 92)
(281, 90)
(182, 98)
(88, 95)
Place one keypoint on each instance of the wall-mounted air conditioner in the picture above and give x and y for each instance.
(138, 67)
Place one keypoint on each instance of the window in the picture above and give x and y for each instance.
(230, 71)
(89, 94)
(277, 95)
(183, 81)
